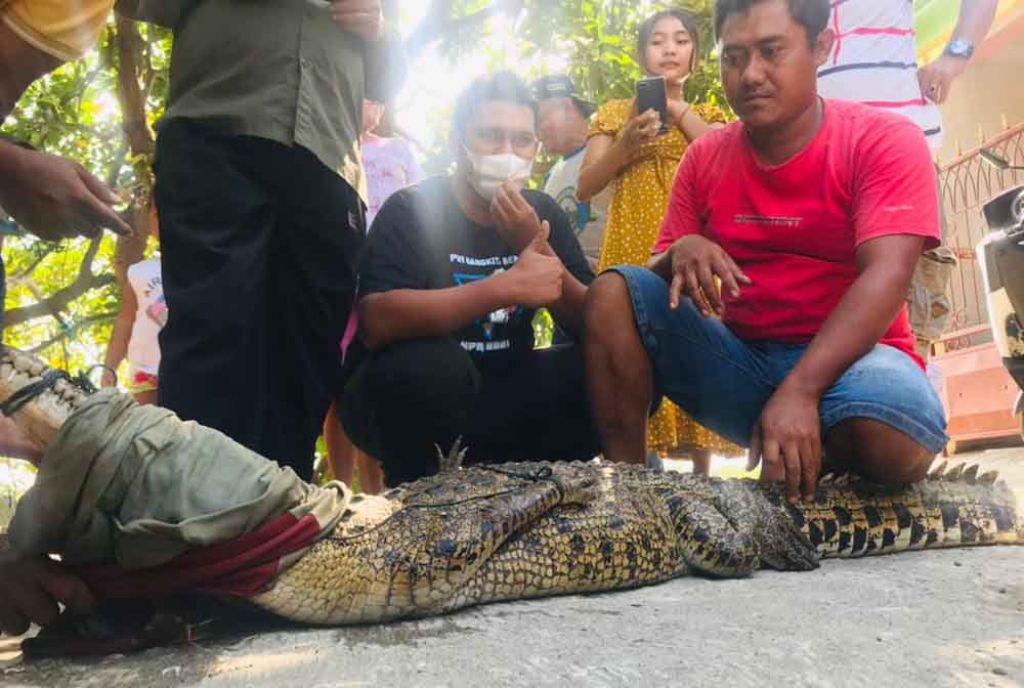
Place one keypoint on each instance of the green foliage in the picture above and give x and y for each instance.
(596, 39)
(600, 42)
(74, 112)
(543, 329)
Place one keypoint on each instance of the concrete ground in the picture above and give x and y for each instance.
(950, 618)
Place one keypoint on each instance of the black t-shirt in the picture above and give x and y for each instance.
(420, 239)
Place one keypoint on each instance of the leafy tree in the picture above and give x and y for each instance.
(62, 298)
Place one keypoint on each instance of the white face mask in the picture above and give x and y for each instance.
(487, 172)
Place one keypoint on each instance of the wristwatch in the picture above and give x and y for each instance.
(958, 47)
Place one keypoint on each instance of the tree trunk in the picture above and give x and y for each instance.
(132, 96)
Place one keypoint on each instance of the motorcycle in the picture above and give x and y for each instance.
(1001, 256)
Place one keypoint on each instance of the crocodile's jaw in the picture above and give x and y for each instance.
(42, 417)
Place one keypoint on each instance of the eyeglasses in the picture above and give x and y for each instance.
(495, 138)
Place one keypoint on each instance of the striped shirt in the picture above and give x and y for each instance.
(874, 61)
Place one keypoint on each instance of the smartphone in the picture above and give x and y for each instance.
(651, 95)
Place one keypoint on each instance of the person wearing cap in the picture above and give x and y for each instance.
(563, 125)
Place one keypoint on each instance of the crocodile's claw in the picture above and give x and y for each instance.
(452, 461)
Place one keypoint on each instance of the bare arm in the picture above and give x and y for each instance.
(936, 78)
(687, 120)
(787, 435)
(401, 314)
(602, 162)
(117, 347)
(568, 310)
(976, 17)
(885, 267)
(392, 316)
(20, 65)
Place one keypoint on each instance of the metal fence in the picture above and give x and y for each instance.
(966, 184)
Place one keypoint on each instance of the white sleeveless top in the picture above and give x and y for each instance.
(147, 283)
(874, 61)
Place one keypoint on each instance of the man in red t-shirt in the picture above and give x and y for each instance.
(773, 308)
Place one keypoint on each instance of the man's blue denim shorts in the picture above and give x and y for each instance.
(723, 382)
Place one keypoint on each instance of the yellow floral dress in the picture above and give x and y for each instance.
(639, 200)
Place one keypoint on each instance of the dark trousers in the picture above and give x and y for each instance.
(258, 248)
(403, 400)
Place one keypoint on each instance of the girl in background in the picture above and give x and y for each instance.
(143, 314)
(625, 150)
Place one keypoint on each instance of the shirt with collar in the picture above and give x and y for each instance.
(283, 71)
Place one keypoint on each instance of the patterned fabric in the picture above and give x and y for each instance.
(639, 198)
(874, 61)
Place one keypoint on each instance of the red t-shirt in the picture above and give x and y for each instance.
(794, 228)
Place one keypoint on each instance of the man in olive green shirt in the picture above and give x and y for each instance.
(260, 194)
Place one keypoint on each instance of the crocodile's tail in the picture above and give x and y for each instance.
(950, 508)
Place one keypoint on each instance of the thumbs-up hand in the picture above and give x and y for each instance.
(535, 281)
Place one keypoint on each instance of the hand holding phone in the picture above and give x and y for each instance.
(651, 95)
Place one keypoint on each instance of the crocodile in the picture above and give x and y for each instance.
(488, 533)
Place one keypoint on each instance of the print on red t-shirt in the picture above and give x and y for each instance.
(794, 228)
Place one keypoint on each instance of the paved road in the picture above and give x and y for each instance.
(953, 618)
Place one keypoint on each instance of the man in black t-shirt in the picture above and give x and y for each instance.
(451, 276)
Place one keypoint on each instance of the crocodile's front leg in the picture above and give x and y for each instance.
(414, 562)
(731, 529)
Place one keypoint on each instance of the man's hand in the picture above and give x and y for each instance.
(535, 281)
(55, 198)
(364, 18)
(108, 378)
(17, 444)
(937, 77)
(787, 437)
(696, 262)
(516, 220)
(30, 590)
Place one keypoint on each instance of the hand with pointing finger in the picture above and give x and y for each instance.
(55, 198)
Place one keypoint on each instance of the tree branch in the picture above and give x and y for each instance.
(57, 302)
(88, 320)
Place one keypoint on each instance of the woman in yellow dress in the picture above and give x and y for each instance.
(625, 149)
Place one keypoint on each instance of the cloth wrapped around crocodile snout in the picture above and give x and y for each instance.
(144, 504)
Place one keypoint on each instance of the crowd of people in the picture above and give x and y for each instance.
(753, 274)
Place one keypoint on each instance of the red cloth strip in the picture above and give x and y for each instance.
(881, 31)
(242, 567)
(895, 104)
